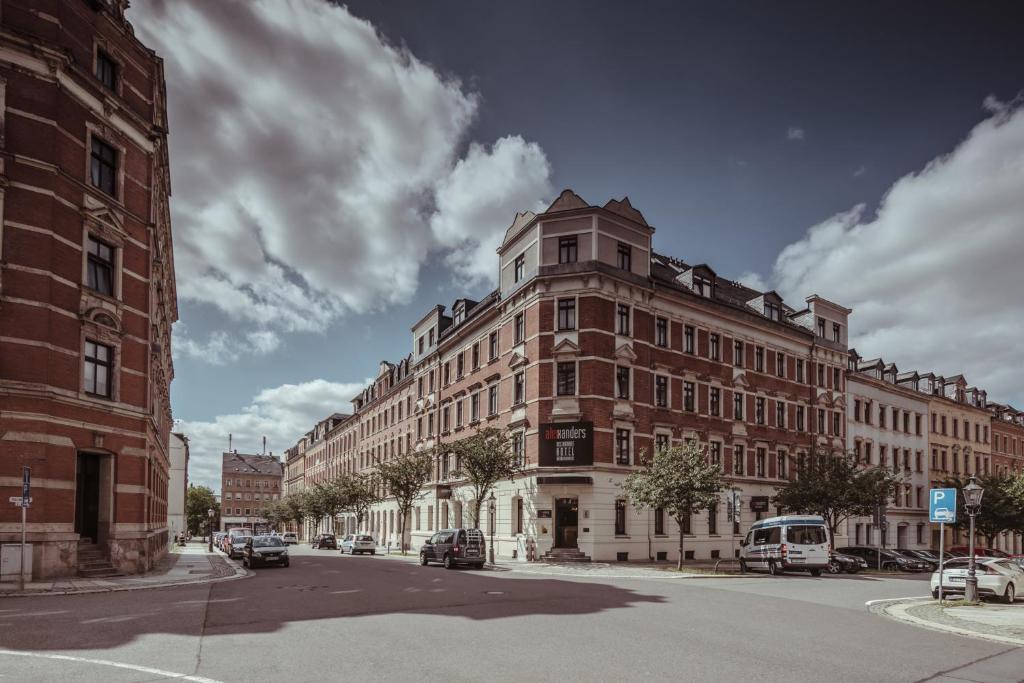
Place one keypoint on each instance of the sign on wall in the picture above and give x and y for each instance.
(759, 504)
(566, 444)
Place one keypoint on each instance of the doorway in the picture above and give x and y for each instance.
(87, 496)
(901, 536)
(566, 522)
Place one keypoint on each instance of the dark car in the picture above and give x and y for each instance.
(913, 555)
(885, 559)
(454, 547)
(850, 564)
(321, 541)
(265, 550)
(965, 551)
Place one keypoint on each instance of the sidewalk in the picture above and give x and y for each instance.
(181, 566)
(989, 621)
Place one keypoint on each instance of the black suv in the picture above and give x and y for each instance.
(325, 541)
(452, 547)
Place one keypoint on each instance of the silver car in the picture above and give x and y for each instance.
(236, 545)
(358, 544)
(265, 550)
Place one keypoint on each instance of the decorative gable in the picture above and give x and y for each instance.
(625, 352)
(565, 348)
(567, 201)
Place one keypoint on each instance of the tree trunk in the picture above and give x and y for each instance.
(682, 544)
(476, 504)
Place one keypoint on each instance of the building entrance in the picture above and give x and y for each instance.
(87, 496)
(566, 522)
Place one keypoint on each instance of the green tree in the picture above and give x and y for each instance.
(836, 487)
(484, 459)
(278, 513)
(1000, 507)
(199, 500)
(296, 504)
(681, 481)
(403, 479)
(361, 491)
(315, 504)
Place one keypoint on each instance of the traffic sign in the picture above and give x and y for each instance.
(942, 506)
(19, 501)
(26, 482)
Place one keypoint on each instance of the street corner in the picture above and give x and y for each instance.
(988, 621)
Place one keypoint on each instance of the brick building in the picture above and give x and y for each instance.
(87, 291)
(1008, 458)
(249, 484)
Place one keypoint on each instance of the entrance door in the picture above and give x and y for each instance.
(87, 496)
(901, 536)
(566, 521)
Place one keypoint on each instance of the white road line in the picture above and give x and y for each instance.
(107, 662)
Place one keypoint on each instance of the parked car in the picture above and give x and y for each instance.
(790, 542)
(1019, 559)
(236, 545)
(965, 551)
(290, 538)
(885, 559)
(850, 564)
(321, 541)
(997, 577)
(912, 555)
(454, 547)
(357, 544)
(265, 550)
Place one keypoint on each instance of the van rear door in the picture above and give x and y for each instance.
(807, 545)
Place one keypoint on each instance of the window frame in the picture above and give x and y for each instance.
(106, 66)
(94, 261)
(108, 364)
(623, 443)
(519, 268)
(624, 256)
(623, 319)
(565, 378)
(98, 149)
(568, 249)
(565, 314)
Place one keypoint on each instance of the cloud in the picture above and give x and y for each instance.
(795, 134)
(222, 347)
(282, 414)
(859, 171)
(934, 277)
(753, 280)
(308, 155)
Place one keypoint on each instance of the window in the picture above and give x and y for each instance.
(856, 410)
(492, 399)
(445, 419)
(518, 450)
(103, 167)
(689, 390)
(881, 416)
(714, 348)
(780, 364)
(567, 249)
(622, 446)
(567, 314)
(474, 407)
(760, 456)
(623, 319)
(737, 406)
(98, 364)
(447, 374)
(476, 356)
(566, 383)
(659, 521)
(621, 382)
(759, 359)
(781, 464)
(460, 365)
(772, 310)
(835, 332)
(100, 267)
(703, 285)
(519, 388)
(780, 414)
(661, 443)
(821, 420)
(836, 383)
(493, 342)
(620, 517)
(821, 327)
(759, 403)
(737, 460)
(713, 520)
(661, 391)
(800, 370)
(661, 332)
(836, 428)
(737, 353)
(625, 256)
(519, 267)
(715, 396)
(419, 345)
(715, 451)
(520, 328)
(106, 70)
(800, 419)
(821, 375)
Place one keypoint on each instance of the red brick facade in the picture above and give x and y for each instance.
(84, 170)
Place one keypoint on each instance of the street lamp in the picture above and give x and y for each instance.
(972, 502)
(209, 513)
(490, 507)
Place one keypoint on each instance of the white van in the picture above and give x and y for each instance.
(790, 542)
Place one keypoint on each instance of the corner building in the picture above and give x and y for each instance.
(593, 351)
(87, 291)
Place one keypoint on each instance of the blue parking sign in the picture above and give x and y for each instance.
(942, 505)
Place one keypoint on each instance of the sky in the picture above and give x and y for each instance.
(337, 170)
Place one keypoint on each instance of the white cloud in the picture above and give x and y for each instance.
(308, 155)
(222, 347)
(934, 277)
(795, 134)
(753, 280)
(282, 414)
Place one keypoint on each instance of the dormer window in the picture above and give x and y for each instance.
(568, 249)
(772, 310)
(703, 285)
(460, 313)
(625, 256)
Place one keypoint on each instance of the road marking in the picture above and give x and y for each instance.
(869, 603)
(107, 662)
(354, 590)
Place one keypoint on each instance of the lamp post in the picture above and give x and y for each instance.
(209, 514)
(490, 507)
(972, 502)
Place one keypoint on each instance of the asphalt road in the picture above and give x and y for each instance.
(331, 617)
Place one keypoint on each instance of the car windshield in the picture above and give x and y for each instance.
(806, 535)
(364, 538)
(266, 542)
(956, 563)
(327, 537)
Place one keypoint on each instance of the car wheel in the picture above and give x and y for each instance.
(448, 563)
(1010, 595)
(935, 593)
(423, 559)
(743, 567)
(834, 567)
(773, 568)
(373, 552)
(815, 572)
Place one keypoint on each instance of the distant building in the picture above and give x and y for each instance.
(1008, 459)
(249, 484)
(177, 485)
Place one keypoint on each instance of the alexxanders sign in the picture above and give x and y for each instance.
(566, 444)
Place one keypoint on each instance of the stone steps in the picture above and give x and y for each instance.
(565, 555)
(93, 563)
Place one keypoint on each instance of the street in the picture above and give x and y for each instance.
(329, 616)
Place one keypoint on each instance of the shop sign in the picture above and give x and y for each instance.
(566, 444)
(759, 504)
(543, 514)
(444, 492)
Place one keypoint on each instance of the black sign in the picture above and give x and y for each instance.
(444, 492)
(759, 504)
(543, 514)
(566, 444)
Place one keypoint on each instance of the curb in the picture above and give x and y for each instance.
(897, 609)
(240, 573)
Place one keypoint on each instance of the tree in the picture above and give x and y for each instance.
(837, 487)
(404, 479)
(361, 491)
(296, 505)
(199, 500)
(484, 459)
(314, 504)
(1000, 508)
(334, 499)
(278, 513)
(681, 481)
